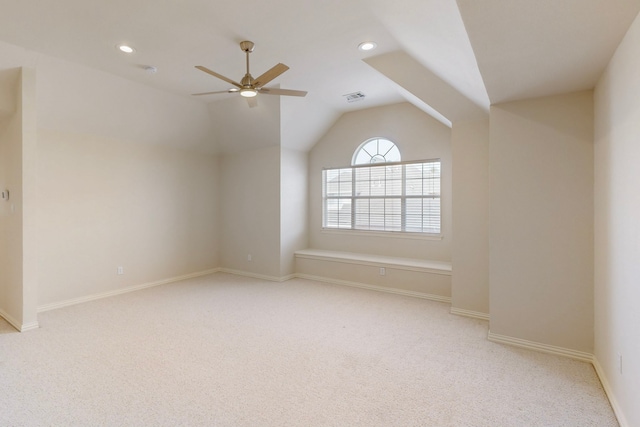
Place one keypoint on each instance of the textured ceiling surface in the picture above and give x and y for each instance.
(488, 51)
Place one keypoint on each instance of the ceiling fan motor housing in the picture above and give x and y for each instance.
(247, 80)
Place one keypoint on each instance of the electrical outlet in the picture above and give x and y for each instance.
(383, 271)
(120, 270)
(249, 257)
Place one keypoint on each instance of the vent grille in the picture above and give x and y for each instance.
(355, 96)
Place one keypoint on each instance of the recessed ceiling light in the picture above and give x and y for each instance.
(126, 49)
(365, 46)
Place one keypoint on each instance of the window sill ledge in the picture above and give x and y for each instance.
(385, 234)
(410, 264)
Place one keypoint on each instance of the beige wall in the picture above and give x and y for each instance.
(419, 137)
(541, 241)
(470, 247)
(78, 99)
(8, 91)
(264, 188)
(114, 173)
(294, 172)
(30, 203)
(11, 218)
(106, 203)
(18, 245)
(617, 227)
(237, 127)
(251, 211)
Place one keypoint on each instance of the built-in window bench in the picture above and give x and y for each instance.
(407, 276)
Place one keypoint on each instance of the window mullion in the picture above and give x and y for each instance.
(325, 203)
(353, 199)
(403, 200)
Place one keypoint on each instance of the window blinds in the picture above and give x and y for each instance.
(390, 197)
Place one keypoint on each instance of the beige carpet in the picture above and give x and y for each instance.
(224, 350)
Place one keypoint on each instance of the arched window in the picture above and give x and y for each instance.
(376, 150)
(378, 192)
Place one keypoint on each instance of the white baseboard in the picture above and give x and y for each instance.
(258, 276)
(469, 313)
(579, 355)
(13, 322)
(19, 326)
(617, 410)
(30, 326)
(74, 301)
(432, 297)
(545, 348)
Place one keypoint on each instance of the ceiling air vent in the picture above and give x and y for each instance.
(355, 96)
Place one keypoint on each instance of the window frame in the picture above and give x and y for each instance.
(376, 140)
(353, 198)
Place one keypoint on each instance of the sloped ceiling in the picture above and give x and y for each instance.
(426, 86)
(529, 49)
(481, 51)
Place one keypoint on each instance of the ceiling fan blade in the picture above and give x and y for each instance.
(269, 75)
(277, 91)
(220, 76)
(253, 102)
(218, 91)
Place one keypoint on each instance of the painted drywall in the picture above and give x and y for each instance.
(11, 218)
(14, 57)
(79, 99)
(83, 100)
(297, 132)
(30, 204)
(541, 238)
(432, 89)
(8, 92)
(18, 245)
(106, 203)
(250, 214)
(121, 174)
(294, 173)
(263, 188)
(470, 247)
(617, 227)
(419, 137)
(528, 49)
(238, 127)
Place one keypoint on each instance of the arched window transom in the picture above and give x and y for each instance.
(376, 150)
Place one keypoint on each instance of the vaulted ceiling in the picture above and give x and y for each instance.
(450, 58)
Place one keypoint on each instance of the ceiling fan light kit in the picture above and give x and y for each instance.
(248, 93)
(248, 86)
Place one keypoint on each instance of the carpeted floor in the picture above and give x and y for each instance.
(225, 350)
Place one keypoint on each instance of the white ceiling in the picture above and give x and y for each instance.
(487, 50)
(532, 48)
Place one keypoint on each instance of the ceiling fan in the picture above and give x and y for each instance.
(250, 87)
